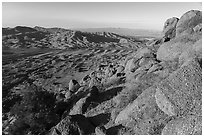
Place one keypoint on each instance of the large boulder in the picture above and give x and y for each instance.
(143, 114)
(188, 21)
(82, 104)
(181, 93)
(190, 125)
(194, 52)
(89, 100)
(73, 86)
(123, 40)
(75, 125)
(77, 108)
(169, 30)
(172, 49)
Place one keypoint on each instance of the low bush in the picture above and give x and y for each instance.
(36, 113)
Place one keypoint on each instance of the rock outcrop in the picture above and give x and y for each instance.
(169, 30)
(172, 49)
(182, 90)
(188, 21)
(187, 30)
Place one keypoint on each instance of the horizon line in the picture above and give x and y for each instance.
(74, 28)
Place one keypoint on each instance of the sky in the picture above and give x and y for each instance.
(134, 15)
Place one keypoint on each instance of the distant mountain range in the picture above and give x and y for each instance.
(60, 38)
(125, 31)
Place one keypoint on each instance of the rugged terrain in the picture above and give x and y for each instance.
(64, 82)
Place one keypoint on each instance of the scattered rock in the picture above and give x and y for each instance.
(85, 79)
(75, 125)
(120, 74)
(68, 95)
(80, 90)
(123, 41)
(143, 61)
(144, 52)
(131, 65)
(100, 130)
(120, 69)
(113, 81)
(73, 85)
(94, 82)
(154, 68)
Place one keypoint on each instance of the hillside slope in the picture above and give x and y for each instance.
(59, 38)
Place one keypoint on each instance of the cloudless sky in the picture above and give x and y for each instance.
(137, 15)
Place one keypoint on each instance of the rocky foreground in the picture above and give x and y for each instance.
(134, 88)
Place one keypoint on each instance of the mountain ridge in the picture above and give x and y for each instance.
(124, 31)
(59, 38)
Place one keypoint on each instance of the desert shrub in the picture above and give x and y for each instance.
(35, 114)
